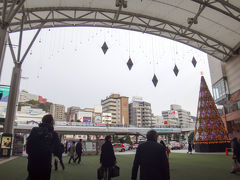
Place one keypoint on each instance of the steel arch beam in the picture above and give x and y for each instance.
(226, 7)
(73, 16)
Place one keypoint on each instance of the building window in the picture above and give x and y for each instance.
(238, 105)
(220, 89)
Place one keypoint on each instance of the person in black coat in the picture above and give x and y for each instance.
(189, 147)
(79, 151)
(42, 142)
(152, 159)
(107, 157)
(59, 156)
(236, 155)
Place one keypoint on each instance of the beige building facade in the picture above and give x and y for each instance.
(225, 77)
(118, 107)
(58, 112)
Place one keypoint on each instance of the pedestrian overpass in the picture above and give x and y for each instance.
(93, 130)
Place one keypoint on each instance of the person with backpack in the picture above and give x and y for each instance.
(42, 142)
(59, 156)
(79, 151)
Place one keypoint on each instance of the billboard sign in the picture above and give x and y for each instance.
(172, 114)
(4, 93)
(84, 116)
(34, 111)
(98, 119)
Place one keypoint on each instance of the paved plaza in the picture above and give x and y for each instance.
(182, 167)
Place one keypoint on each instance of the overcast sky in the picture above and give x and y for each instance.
(67, 66)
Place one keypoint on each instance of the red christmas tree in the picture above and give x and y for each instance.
(210, 134)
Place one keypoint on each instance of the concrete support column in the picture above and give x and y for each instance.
(137, 138)
(61, 137)
(88, 137)
(97, 144)
(13, 99)
(3, 41)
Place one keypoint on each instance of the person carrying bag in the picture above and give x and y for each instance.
(114, 171)
(108, 168)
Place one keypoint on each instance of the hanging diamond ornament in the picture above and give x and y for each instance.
(129, 64)
(194, 62)
(155, 80)
(104, 47)
(175, 70)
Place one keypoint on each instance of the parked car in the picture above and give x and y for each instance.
(119, 147)
(174, 145)
(127, 146)
(135, 146)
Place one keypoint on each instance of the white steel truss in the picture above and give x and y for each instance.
(70, 16)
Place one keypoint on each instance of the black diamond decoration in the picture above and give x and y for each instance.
(194, 62)
(104, 47)
(129, 64)
(175, 70)
(155, 80)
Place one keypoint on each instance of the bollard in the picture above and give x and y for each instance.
(226, 152)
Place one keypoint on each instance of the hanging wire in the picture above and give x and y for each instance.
(75, 39)
(153, 61)
(129, 44)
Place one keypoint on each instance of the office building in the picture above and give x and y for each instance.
(26, 96)
(140, 113)
(118, 107)
(58, 112)
(72, 113)
(177, 116)
(226, 91)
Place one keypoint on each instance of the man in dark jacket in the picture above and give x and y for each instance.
(41, 143)
(79, 151)
(107, 158)
(59, 156)
(236, 155)
(152, 159)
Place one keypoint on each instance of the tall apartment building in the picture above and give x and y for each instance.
(226, 90)
(58, 111)
(159, 121)
(177, 116)
(170, 118)
(107, 118)
(118, 107)
(72, 113)
(140, 113)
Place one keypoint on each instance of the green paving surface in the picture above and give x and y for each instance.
(183, 167)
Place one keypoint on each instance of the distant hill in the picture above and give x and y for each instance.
(35, 104)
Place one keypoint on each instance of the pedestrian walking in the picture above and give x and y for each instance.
(79, 151)
(165, 147)
(236, 155)
(72, 152)
(152, 159)
(168, 151)
(163, 144)
(59, 155)
(189, 147)
(107, 157)
(42, 142)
